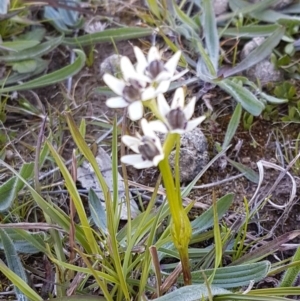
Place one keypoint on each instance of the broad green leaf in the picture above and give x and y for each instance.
(37, 33)
(233, 125)
(97, 211)
(291, 9)
(10, 189)
(234, 276)
(19, 45)
(198, 292)
(206, 219)
(27, 66)
(51, 78)
(17, 77)
(33, 52)
(258, 54)
(54, 17)
(108, 35)
(241, 94)
(249, 173)
(259, 11)
(250, 31)
(210, 32)
(13, 262)
(26, 242)
(244, 7)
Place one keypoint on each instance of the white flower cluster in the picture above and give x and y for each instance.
(147, 81)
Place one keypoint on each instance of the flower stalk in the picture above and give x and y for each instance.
(181, 229)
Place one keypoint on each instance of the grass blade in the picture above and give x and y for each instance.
(51, 78)
(258, 54)
(115, 34)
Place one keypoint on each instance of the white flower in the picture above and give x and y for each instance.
(155, 70)
(148, 148)
(132, 90)
(176, 117)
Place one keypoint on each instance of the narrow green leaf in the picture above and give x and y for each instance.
(10, 189)
(97, 211)
(115, 34)
(152, 4)
(14, 263)
(79, 298)
(193, 293)
(51, 78)
(210, 32)
(249, 173)
(33, 52)
(54, 212)
(20, 284)
(258, 54)
(184, 18)
(206, 219)
(71, 186)
(233, 125)
(19, 45)
(241, 94)
(272, 99)
(234, 276)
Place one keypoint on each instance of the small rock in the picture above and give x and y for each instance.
(265, 71)
(278, 5)
(220, 6)
(111, 65)
(193, 155)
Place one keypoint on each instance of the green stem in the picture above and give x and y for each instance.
(181, 227)
(292, 272)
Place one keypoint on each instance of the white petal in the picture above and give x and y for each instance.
(131, 142)
(157, 159)
(178, 99)
(144, 164)
(147, 130)
(132, 159)
(149, 93)
(162, 104)
(116, 102)
(189, 109)
(172, 63)
(163, 86)
(135, 110)
(127, 68)
(163, 75)
(179, 75)
(153, 54)
(141, 60)
(158, 126)
(114, 83)
(194, 123)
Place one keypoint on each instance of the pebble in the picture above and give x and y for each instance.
(193, 155)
